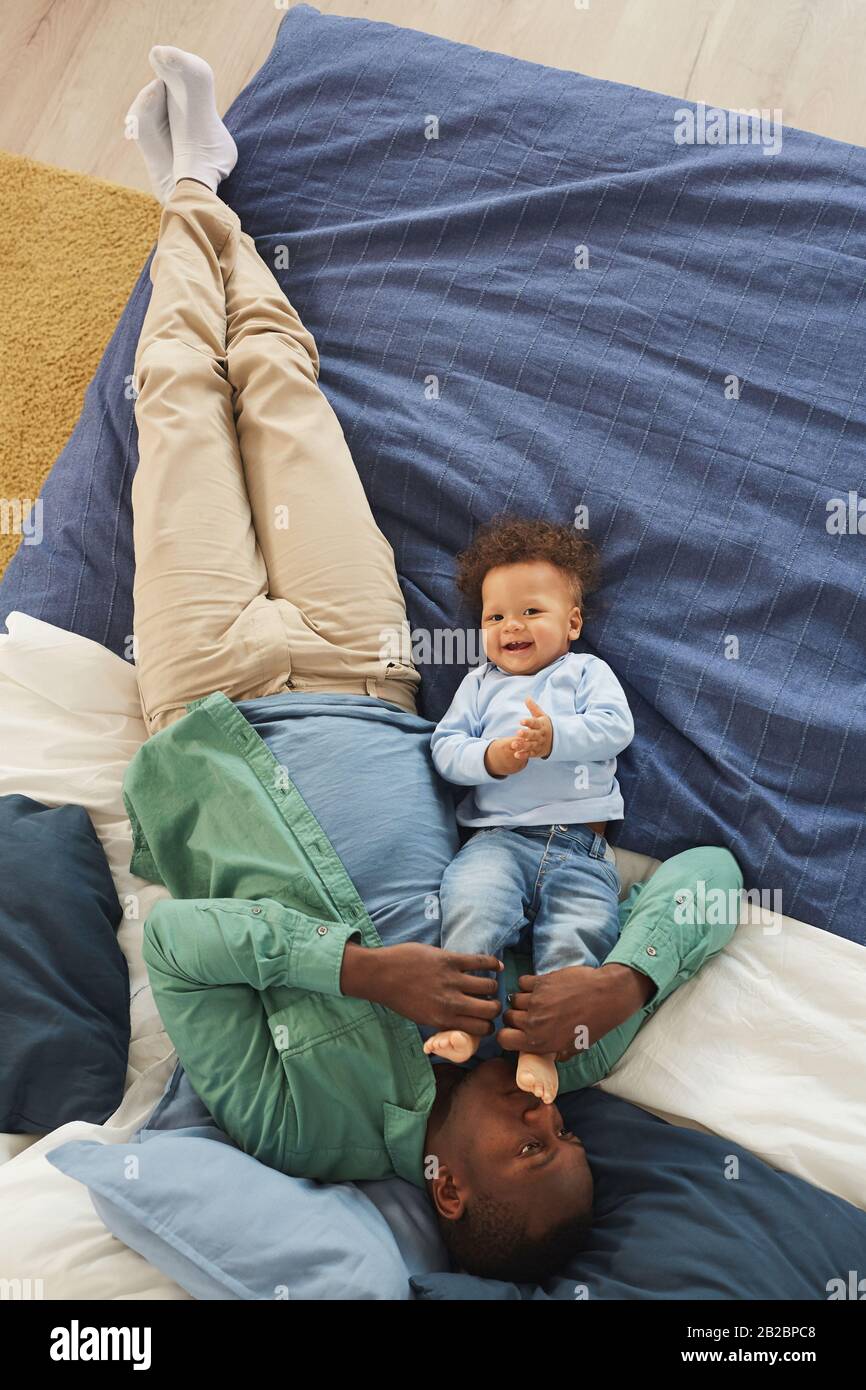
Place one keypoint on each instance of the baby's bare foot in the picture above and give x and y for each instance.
(538, 1076)
(456, 1045)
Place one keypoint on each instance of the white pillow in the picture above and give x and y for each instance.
(52, 1240)
(766, 1046)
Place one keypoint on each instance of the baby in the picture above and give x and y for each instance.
(534, 733)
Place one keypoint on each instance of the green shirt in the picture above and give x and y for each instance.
(245, 958)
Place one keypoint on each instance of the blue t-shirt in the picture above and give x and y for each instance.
(363, 767)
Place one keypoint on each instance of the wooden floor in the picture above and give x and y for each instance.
(70, 68)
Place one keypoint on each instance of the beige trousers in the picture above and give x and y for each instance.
(259, 566)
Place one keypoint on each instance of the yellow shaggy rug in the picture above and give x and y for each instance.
(71, 248)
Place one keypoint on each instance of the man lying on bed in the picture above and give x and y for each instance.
(286, 795)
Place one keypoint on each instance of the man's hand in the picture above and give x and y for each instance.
(504, 756)
(569, 1010)
(536, 733)
(425, 984)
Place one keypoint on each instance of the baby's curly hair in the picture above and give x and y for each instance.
(512, 540)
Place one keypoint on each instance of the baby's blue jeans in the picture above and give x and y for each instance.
(555, 884)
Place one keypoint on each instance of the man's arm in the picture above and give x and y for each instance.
(682, 917)
(208, 943)
(669, 941)
(209, 961)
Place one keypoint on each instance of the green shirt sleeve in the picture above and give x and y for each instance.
(685, 915)
(209, 961)
(677, 921)
(205, 943)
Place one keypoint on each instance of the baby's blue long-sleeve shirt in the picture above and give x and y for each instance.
(576, 784)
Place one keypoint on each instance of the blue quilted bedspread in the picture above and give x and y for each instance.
(693, 377)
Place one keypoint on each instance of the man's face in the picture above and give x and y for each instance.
(528, 616)
(511, 1147)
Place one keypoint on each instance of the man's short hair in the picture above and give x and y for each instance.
(489, 1240)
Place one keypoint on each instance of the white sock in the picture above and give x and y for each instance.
(147, 124)
(203, 148)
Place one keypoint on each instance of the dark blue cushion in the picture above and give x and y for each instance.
(473, 368)
(225, 1226)
(64, 990)
(670, 1223)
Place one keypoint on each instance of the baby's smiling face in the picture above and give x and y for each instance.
(528, 616)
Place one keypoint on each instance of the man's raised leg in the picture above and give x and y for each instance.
(203, 620)
(331, 571)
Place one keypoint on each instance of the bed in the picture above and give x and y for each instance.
(690, 378)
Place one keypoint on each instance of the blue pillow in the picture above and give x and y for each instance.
(64, 988)
(671, 1224)
(225, 1226)
(404, 1206)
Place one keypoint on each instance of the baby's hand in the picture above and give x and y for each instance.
(504, 756)
(536, 734)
